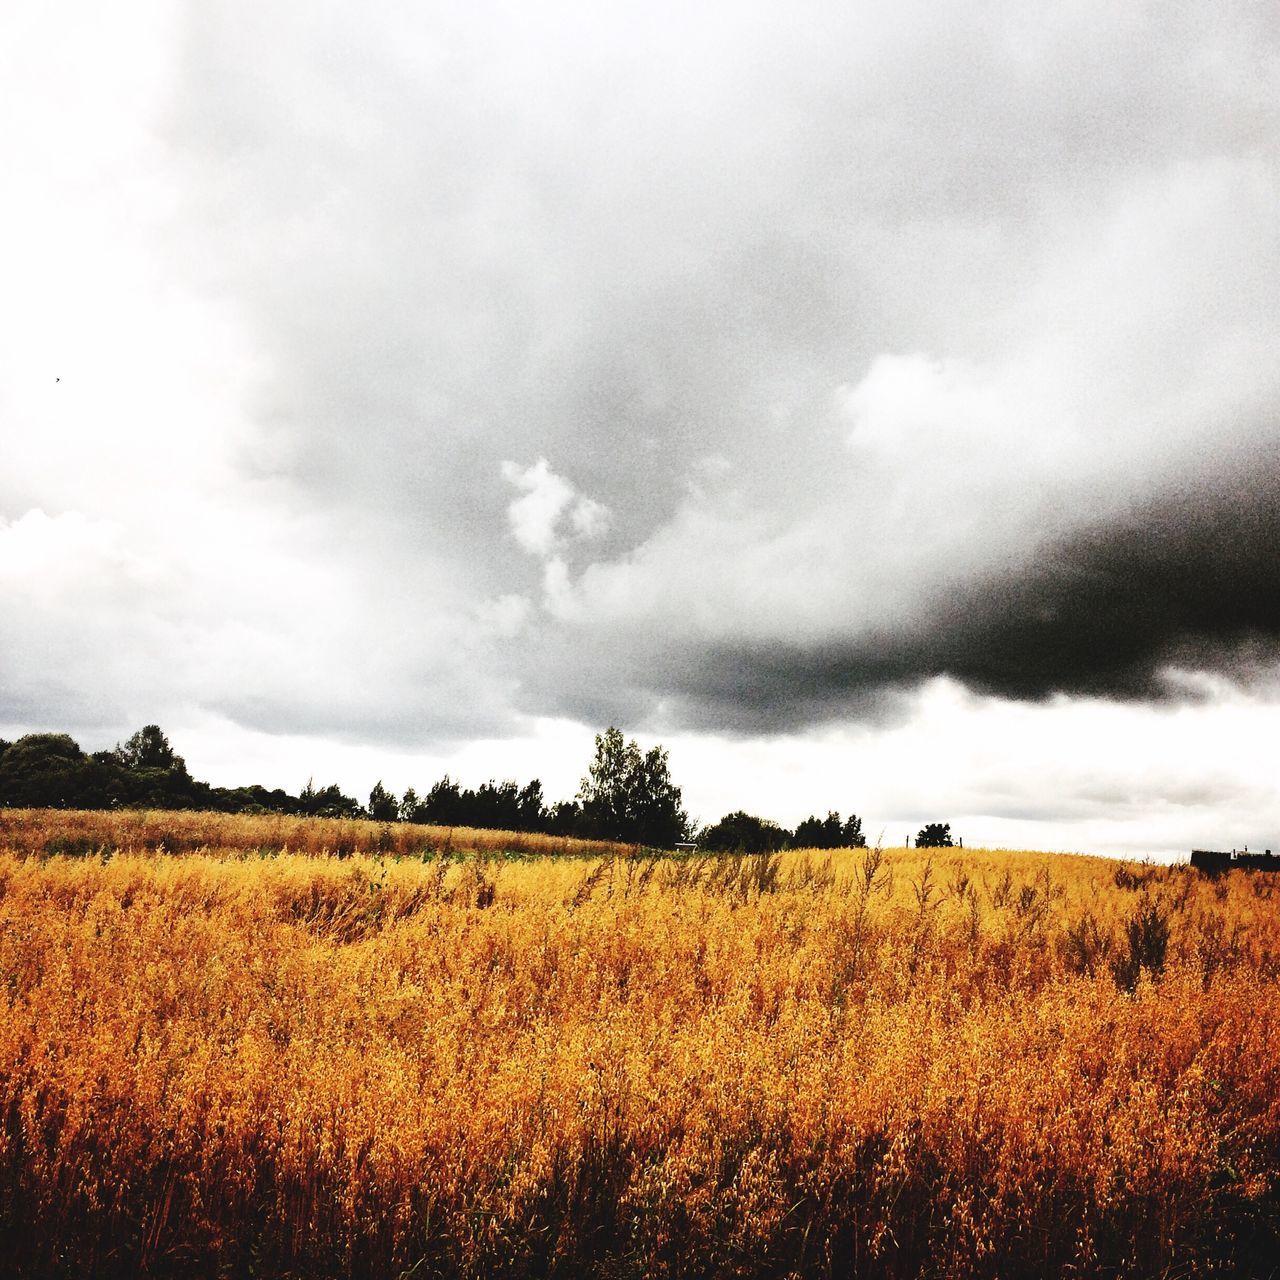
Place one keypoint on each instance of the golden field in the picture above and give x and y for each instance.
(284, 1047)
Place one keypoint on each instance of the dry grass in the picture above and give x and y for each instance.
(80, 831)
(979, 1064)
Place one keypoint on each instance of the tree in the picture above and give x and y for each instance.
(605, 791)
(383, 806)
(410, 806)
(42, 770)
(327, 802)
(443, 804)
(934, 835)
(149, 749)
(830, 832)
(144, 772)
(628, 795)
(820, 833)
(494, 805)
(531, 807)
(565, 818)
(740, 832)
(656, 810)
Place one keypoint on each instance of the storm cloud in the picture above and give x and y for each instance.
(1129, 609)
(894, 328)
(733, 370)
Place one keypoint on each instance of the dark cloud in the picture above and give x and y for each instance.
(1185, 582)
(1190, 581)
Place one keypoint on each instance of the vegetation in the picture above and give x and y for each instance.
(741, 833)
(627, 795)
(50, 770)
(830, 833)
(289, 1046)
(626, 792)
(72, 833)
(935, 835)
(493, 804)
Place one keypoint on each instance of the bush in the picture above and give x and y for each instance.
(1148, 937)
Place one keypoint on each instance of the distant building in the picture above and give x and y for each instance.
(1214, 862)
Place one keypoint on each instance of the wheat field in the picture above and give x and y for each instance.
(278, 1047)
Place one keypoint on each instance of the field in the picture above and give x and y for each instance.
(278, 1047)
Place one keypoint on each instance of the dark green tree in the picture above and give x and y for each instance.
(383, 806)
(934, 835)
(740, 832)
(531, 807)
(820, 833)
(42, 770)
(144, 772)
(605, 793)
(494, 805)
(830, 832)
(327, 802)
(410, 806)
(565, 818)
(629, 795)
(149, 749)
(443, 804)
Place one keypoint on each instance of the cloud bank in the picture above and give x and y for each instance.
(733, 370)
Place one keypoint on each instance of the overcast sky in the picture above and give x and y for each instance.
(875, 403)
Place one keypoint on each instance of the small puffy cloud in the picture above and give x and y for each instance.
(589, 518)
(534, 517)
(538, 517)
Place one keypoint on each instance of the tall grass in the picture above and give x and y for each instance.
(863, 1063)
(52, 831)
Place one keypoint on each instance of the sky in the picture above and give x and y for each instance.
(877, 404)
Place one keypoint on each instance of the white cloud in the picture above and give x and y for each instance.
(46, 557)
(536, 520)
(589, 518)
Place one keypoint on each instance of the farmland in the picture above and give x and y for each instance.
(263, 1046)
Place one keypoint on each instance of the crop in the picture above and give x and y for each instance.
(225, 1061)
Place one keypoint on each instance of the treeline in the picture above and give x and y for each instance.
(744, 833)
(627, 795)
(502, 806)
(50, 771)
